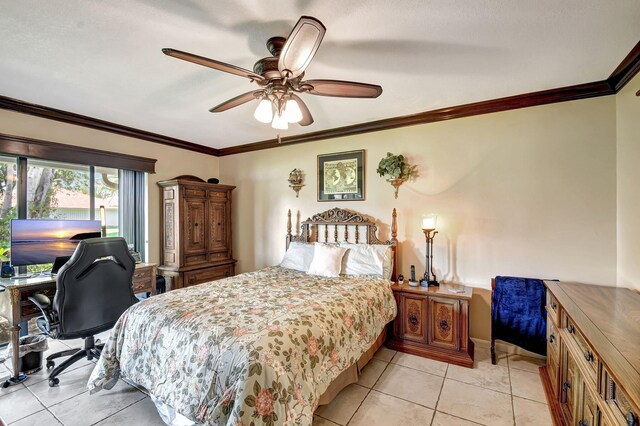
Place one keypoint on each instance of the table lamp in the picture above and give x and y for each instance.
(429, 229)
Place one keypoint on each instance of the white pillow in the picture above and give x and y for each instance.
(387, 264)
(298, 256)
(327, 260)
(364, 259)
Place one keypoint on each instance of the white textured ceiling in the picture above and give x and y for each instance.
(103, 58)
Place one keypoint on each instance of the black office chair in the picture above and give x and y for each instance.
(92, 290)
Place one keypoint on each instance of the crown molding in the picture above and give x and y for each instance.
(97, 124)
(563, 94)
(622, 74)
(627, 69)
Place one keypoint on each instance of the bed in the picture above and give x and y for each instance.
(265, 347)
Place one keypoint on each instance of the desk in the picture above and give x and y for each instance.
(16, 307)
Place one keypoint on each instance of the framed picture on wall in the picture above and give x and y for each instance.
(341, 176)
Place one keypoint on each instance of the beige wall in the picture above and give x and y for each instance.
(628, 128)
(172, 162)
(528, 192)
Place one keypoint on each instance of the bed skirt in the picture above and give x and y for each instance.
(351, 374)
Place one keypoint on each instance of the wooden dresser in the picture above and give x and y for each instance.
(433, 322)
(195, 230)
(592, 376)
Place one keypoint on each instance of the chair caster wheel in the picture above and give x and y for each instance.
(53, 382)
(50, 365)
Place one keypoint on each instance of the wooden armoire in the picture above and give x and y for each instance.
(195, 231)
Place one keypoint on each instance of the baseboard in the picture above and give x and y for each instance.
(506, 347)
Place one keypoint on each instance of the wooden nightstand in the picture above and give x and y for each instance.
(433, 322)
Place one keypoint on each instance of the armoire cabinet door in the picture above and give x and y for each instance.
(444, 324)
(195, 212)
(218, 227)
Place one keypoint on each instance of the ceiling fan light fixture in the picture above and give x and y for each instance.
(279, 122)
(292, 111)
(264, 111)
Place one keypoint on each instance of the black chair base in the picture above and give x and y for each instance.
(92, 349)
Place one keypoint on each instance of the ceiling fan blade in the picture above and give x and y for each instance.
(343, 89)
(300, 47)
(238, 100)
(306, 114)
(212, 63)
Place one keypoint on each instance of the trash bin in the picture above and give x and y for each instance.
(30, 353)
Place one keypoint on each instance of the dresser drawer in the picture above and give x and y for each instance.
(617, 400)
(553, 308)
(588, 356)
(553, 338)
(208, 274)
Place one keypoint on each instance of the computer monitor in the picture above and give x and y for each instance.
(37, 241)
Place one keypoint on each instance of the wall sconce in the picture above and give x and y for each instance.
(103, 222)
(429, 229)
(296, 177)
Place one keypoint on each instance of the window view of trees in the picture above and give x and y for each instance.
(8, 201)
(56, 191)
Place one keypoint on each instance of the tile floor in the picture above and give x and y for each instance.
(395, 389)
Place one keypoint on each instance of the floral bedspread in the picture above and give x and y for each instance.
(257, 348)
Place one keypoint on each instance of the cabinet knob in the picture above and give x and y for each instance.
(413, 319)
(583, 423)
(226, 273)
(588, 356)
(632, 419)
(571, 328)
(551, 338)
(553, 305)
(566, 385)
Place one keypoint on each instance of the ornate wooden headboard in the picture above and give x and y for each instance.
(327, 227)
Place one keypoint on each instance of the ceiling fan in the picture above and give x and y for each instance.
(280, 77)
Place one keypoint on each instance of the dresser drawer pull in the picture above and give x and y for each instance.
(571, 328)
(566, 386)
(227, 273)
(632, 419)
(551, 338)
(588, 356)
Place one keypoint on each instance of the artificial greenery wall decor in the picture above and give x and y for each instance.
(397, 170)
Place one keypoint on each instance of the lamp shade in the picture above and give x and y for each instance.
(279, 122)
(264, 113)
(429, 221)
(292, 111)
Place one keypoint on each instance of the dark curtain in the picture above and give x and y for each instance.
(131, 197)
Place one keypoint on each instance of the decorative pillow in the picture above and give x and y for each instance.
(327, 260)
(298, 256)
(387, 264)
(365, 259)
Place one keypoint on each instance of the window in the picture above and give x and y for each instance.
(106, 194)
(58, 191)
(55, 190)
(8, 201)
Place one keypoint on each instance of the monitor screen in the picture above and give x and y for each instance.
(37, 241)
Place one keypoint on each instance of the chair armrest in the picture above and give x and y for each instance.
(41, 301)
(44, 304)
